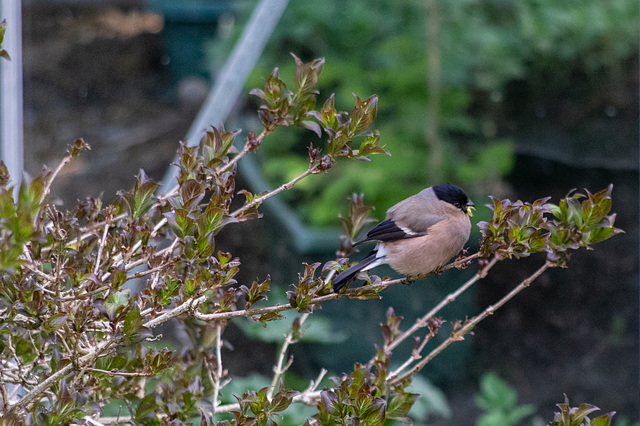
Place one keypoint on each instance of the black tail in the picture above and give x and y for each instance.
(349, 274)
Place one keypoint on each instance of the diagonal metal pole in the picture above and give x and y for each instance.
(233, 76)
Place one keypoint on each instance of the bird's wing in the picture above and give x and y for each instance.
(391, 230)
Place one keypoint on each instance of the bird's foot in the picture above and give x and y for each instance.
(411, 278)
(459, 263)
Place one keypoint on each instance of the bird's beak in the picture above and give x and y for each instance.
(470, 208)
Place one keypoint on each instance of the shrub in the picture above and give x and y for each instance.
(73, 336)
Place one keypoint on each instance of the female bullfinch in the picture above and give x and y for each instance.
(419, 234)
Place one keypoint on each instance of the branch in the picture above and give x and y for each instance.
(103, 346)
(47, 186)
(122, 373)
(422, 322)
(280, 368)
(188, 305)
(459, 334)
(219, 371)
(249, 146)
(103, 243)
(350, 293)
(260, 200)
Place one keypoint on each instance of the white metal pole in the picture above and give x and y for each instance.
(11, 103)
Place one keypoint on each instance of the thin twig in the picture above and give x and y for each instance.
(219, 371)
(308, 398)
(103, 346)
(424, 321)
(121, 373)
(188, 305)
(415, 355)
(280, 367)
(249, 146)
(103, 243)
(47, 185)
(93, 422)
(260, 200)
(313, 385)
(153, 233)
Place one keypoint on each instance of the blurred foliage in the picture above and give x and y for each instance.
(499, 401)
(380, 46)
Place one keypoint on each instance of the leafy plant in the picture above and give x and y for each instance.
(74, 337)
(577, 416)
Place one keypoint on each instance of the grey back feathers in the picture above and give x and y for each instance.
(418, 212)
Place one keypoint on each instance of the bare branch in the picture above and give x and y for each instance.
(280, 367)
(270, 194)
(103, 243)
(219, 372)
(424, 321)
(469, 325)
(102, 347)
(113, 373)
(47, 187)
(248, 147)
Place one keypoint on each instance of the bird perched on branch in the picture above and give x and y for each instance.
(419, 234)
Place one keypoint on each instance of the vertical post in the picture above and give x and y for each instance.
(11, 104)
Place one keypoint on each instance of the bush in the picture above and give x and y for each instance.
(73, 336)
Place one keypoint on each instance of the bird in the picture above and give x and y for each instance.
(419, 235)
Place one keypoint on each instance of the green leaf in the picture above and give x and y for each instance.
(370, 145)
(306, 75)
(115, 301)
(190, 287)
(282, 399)
(603, 420)
(3, 28)
(401, 404)
(118, 276)
(363, 114)
(191, 193)
(365, 293)
(496, 393)
(134, 332)
(270, 316)
(146, 408)
(180, 222)
(53, 323)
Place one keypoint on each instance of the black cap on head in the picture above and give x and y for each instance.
(452, 194)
